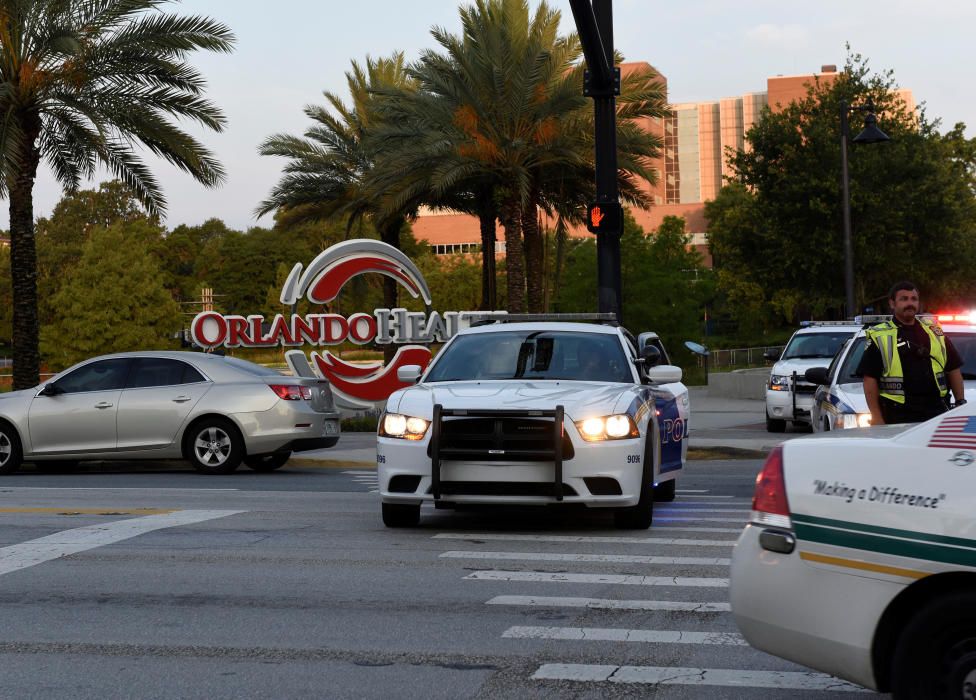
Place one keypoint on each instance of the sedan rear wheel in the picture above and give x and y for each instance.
(214, 446)
(267, 462)
(10, 453)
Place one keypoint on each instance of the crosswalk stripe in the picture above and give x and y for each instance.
(681, 504)
(658, 675)
(604, 634)
(360, 471)
(595, 558)
(607, 604)
(683, 528)
(618, 579)
(581, 539)
(691, 490)
(67, 542)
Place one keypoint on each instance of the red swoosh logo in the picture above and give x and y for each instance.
(327, 287)
(345, 369)
(376, 386)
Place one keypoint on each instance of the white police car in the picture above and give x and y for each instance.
(535, 413)
(789, 397)
(860, 556)
(839, 401)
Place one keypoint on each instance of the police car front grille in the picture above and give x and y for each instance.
(505, 438)
(500, 488)
(802, 388)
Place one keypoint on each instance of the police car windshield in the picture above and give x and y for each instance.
(532, 355)
(809, 345)
(965, 344)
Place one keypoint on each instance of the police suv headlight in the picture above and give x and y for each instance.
(779, 382)
(397, 425)
(853, 420)
(616, 427)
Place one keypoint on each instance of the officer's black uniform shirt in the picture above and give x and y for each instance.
(922, 398)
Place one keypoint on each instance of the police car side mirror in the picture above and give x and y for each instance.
(816, 375)
(771, 355)
(663, 374)
(409, 374)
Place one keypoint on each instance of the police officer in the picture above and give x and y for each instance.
(909, 365)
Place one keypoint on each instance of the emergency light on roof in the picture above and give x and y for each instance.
(956, 317)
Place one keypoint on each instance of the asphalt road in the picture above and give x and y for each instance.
(119, 582)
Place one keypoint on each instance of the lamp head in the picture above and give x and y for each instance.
(871, 133)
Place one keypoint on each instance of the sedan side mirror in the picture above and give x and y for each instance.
(771, 355)
(816, 375)
(409, 374)
(50, 390)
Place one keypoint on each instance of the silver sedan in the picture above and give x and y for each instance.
(212, 410)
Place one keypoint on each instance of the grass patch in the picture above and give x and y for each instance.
(713, 453)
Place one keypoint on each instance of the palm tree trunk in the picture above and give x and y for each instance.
(390, 234)
(510, 216)
(23, 265)
(560, 255)
(489, 291)
(534, 273)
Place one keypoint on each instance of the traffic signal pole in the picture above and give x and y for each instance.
(604, 216)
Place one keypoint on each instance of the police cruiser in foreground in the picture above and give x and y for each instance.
(860, 556)
(536, 412)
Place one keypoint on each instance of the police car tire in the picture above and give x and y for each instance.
(639, 517)
(664, 493)
(11, 454)
(775, 425)
(936, 650)
(401, 514)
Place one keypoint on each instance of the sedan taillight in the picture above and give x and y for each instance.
(291, 392)
(769, 504)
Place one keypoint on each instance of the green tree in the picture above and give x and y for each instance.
(776, 230)
(62, 236)
(114, 301)
(81, 83)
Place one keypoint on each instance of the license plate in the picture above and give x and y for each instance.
(331, 428)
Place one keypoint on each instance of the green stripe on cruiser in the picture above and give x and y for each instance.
(886, 545)
(888, 531)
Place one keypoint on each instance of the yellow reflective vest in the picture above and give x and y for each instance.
(892, 383)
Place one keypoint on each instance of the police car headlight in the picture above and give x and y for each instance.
(397, 425)
(863, 420)
(853, 420)
(615, 427)
(779, 382)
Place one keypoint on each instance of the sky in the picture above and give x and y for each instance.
(289, 51)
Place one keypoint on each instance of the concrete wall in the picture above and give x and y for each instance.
(739, 384)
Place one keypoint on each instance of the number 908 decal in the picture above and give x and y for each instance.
(633, 459)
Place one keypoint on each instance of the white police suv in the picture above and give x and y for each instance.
(789, 396)
(536, 412)
(839, 401)
(859, 559)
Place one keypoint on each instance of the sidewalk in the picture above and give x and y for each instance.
(716, 424)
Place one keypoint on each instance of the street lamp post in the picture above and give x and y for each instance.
(870, 134)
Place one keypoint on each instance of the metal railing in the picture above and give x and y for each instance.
(739, 357)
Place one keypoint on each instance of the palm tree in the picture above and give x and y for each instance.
(498, 127)
(326, 176)
(82, 81)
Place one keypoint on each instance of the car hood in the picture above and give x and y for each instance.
(799, 365)
(20, 395)
(580, 399)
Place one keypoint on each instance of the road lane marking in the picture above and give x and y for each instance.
(67, 542)
(602, 579)
(682, 528)
(607, 604)
(92, 511)
(683, 519)
(605, 634)
(4, 489)
(592, 558)
(684, 511)
(658, 675)
(668, 541)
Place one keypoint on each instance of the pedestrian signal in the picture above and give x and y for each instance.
(605, 217)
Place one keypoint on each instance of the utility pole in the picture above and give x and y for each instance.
(604, 216)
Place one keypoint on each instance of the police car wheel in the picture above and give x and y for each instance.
(664, 493)
(936, 652)
(775, 425)
(401, 515)
(639, 517)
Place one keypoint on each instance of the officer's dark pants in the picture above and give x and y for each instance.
(912, 411)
